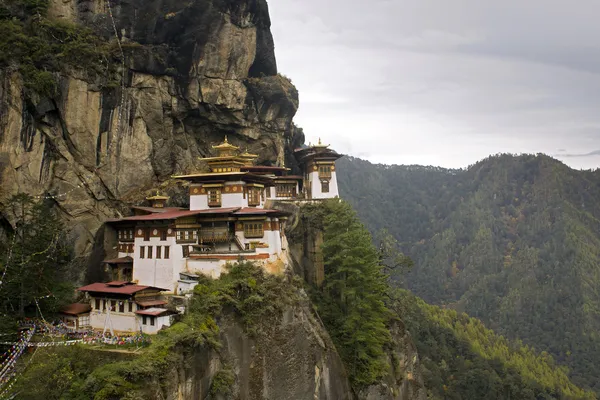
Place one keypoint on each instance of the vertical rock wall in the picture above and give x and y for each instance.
(193, 72)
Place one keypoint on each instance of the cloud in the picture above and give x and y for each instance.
(590, 154)
(444, 83)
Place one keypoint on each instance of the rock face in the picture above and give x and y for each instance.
(295, 360)
(192, 72)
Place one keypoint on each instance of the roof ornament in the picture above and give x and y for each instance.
(320, 144)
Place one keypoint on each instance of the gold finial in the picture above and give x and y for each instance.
(320, 141)
(225, 139)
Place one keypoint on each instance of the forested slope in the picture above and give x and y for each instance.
(514, 241)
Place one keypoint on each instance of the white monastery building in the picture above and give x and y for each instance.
(165, 249)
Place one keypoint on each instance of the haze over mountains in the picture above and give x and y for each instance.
(512, 240)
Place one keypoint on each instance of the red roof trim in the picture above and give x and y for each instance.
(128, 289)
(76, 309)
(178, 214)
(155, 312)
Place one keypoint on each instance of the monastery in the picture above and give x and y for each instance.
(163, 251)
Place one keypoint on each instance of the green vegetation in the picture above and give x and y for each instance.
(351, 300)
(246, 292)
(34, 261)
(222, 382)
(61, 372)
(40, 48)
(463, 360)
(513, 241)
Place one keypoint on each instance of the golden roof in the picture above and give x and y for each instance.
(225, 146)
(158, 197)
(321, 144)
(245, 154)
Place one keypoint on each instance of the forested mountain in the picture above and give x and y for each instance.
(461, 359)
(514, 241)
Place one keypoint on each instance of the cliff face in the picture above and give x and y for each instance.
(295, 361)
(187, 73)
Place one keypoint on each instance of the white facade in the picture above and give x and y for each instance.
(232, 195)
(126, 321)
(158, 272)
(152, 324)
(316, 187)
(165, 272)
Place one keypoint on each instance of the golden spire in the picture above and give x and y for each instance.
(321, 144)
(157, 196)
(226, 147)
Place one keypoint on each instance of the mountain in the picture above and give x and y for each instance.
(461, 359)
(100, 102)
(512, 240)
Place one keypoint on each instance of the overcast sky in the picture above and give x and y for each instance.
(440, 82)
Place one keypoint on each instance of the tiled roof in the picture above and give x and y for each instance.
(127, 288)
(170, 215)
(76, 309)
(154, 311)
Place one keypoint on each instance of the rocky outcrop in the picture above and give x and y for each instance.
(192, 72)
(294, 360)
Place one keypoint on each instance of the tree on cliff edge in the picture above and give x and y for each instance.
(352, 300)
(33, 259)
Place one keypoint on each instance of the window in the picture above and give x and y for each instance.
(186, 250)
(253, 196)
(163, 234)
(253, 230)
(146, 235)
(131, 234)
(130, 306)
(158, 251)
(214, 198)
(113, 305)
(120, 235)
(121, 306)
(152, 321)
(142, 251)
(149, 253)
(187, 235)
(324, 171)
(84, 320)
(97, 305)
(167, 248)
(283, 190)
(104, 305)
(324, 186)
(144, 320)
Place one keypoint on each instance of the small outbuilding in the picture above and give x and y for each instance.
(76, 316)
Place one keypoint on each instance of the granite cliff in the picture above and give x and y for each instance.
(178, 77)
(171, 79)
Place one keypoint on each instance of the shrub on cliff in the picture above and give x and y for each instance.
(39, 48)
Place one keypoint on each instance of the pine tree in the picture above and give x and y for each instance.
(352, 299)
(33, 260)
